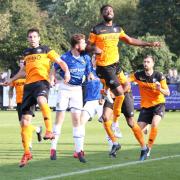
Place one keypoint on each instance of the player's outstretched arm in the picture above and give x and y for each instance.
(21, 74)
(137, 42)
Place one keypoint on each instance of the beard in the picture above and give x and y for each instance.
(108, 18)
(81, 50)
(146, 68)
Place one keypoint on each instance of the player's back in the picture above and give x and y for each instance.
(93, 90)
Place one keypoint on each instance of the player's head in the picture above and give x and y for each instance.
(107, 12)
(148, 63)
(33, 37)
(21, 62)
(175, 73)
(78, 42)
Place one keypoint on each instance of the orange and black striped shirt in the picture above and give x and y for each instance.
(106, 38)
(150, 96)
(38, 62)
(19, 87)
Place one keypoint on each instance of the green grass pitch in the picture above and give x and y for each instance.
(96, 151)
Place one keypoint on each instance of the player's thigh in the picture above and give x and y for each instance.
(128, 106)
(28, 100)
(146, 115)
(63, 99)
(158, 112)
(107, 111)
(76, 99)
(109, 74)
(90, 107)
(85, 117)
(99, 110)
(41, 91)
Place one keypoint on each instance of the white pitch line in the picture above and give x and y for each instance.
(105, 168)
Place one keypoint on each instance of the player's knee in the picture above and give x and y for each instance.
(25, 122)
(130, 122)
(104, 118)
(41, 100)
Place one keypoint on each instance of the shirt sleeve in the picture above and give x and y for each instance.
(122, 78)
(122, 34)
(52, 55)
(132, 78)
(92, 37)
(163, 82)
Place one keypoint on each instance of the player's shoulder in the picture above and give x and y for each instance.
(117, 27)
(27, 51)
(158, 75)
(66, 55)
(39, 50)
(85, 54)
(97, 29)
(44, 48)
(101, 28)
(139, 74)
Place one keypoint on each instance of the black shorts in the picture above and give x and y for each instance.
(146, 114)
(109, 74)
(31, 92)
(127, 106)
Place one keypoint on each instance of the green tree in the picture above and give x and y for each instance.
(132, 56)
(76, 16)
(159, 17)
(25, 14)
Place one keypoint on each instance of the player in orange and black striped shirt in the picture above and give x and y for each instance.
(19, 87)
(128, 111)
(38, 60)
(103, 40)
(153, 88)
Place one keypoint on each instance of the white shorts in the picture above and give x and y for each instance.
(93, 108)
(69, 96)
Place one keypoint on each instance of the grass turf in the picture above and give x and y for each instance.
(96, 150)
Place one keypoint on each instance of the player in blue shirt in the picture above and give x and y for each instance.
(70, 94)
(79, 66)
(93, 103)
